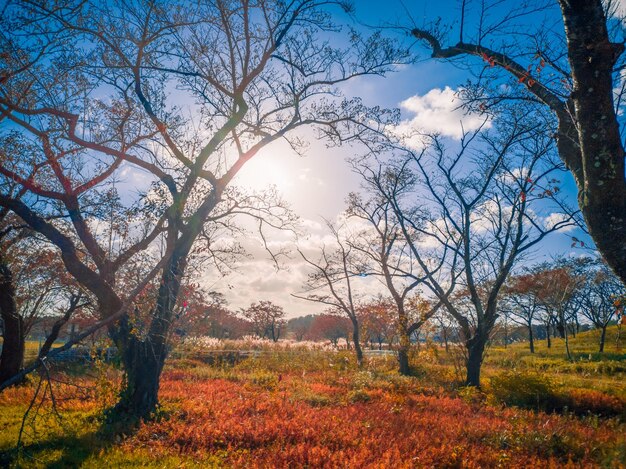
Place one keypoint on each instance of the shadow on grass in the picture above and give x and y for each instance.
(66, 450)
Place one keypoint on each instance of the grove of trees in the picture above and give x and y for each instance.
(123, 126)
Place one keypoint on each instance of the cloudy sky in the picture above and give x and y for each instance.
(317, 184)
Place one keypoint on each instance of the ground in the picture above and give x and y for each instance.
(295, 407)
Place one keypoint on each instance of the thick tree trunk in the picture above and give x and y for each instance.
(143, 358)
(13, 346)
(475, 353)
(548, 338)
(602, 192)
(403, 361)
(143, 366)
(404, 347)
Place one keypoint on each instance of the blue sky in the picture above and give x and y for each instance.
(317, 184)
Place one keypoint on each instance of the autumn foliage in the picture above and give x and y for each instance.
(281, 412)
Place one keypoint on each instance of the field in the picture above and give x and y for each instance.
(297, 407)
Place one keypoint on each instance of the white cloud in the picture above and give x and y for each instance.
(437, 112)
(551, 220)
(618, 7)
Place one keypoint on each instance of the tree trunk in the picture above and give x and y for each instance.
(567, 350)
(403, 361)
(143, 366)
(12, 357)
(531, 338)
(602, 338)
(548, 335)
(404, 340)
(475, 353)
(602, 192)
(143, 358)
(506, 333)
(357, 342)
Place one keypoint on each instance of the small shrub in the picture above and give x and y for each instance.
(363, 380)
(265, 380)
(311, 398)
(523, 389)
(589, 401)
(358, 395)
(471, 395)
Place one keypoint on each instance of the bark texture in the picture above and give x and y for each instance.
(12, 357)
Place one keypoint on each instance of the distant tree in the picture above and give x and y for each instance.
(379, 321)
(267, 319)
(521, 301)
(559, 295)
(201, 313)
(446, 327)
(601, 291)
(300, 326)
(331, 327)
(331, 282)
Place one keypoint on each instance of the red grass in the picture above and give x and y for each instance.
(349, 420)
(255, 427)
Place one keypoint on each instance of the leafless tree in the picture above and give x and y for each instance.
(571, 67)
(193, 93)
(331, 282)
(387, 255)
(469, 215)
(600, 292)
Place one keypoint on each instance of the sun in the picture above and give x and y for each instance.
(267, 169)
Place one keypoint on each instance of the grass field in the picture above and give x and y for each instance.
(314, 408)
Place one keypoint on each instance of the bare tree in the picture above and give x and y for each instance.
(601, 291)
(468, 217)
(572, 71)
(250, 74)
(387, 254)
(331, 282)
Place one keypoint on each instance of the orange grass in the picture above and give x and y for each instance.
(345, 419)
(258, 427)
